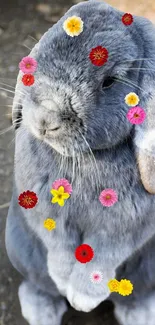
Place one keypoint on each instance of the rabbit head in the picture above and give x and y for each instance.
(74, 104)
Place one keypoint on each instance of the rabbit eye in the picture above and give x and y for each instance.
(108, 82)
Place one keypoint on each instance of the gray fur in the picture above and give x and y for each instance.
(67, 93)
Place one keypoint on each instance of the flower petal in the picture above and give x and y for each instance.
(61, 202)
(54, 192)
(54, 199)
(65, 196)
(61, 190)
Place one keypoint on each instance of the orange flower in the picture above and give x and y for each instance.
(113, 285)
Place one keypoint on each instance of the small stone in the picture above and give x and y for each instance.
(44, 8)
(3, 305)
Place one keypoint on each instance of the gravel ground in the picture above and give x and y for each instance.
(22, 22)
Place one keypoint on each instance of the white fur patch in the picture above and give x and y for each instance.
(141, 314)
(145, 140)
(82, 302)
(38, 309)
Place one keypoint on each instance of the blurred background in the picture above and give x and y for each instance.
(22, 23)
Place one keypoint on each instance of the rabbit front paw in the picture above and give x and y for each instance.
(84, 294)
(82, 302)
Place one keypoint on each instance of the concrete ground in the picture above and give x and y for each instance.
(22, 22)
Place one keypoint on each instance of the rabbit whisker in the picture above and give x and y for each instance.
(60, 165)
(6, 106)
(129, 82)
(7, 78)
(11, 91)
(18, 120)
(124, 83)
(2, 83)
(64, 164)
(141, 59)
(79, 161)
(145, 69)
(73, 164)
(25, 46)
(83, 164)
(10, 128)
(32, 38)
(17, 110)
(11, 142)
(93, 157)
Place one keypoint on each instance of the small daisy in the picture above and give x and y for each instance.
(108, 197)
(62, 182)
(125, 287)
(28, 79)
(136, 115)
(84, 253)
(113, 285)
(98, 55)
(96, 277)
(127, 19)
(28, 65)
(50, 224)
(131, 99)
(59, 196)
(27, 199)
(73, 26)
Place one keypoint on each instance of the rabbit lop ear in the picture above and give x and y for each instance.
(145, 133)
(19, 94)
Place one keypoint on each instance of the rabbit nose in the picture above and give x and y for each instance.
(45, 127)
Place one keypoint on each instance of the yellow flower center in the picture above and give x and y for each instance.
(127, 18)
(27, 200)
(136, 115)
(28, 65)
(108, 196)
(49, 224)
(99, 55)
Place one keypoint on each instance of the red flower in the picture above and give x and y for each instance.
(28, 79)
(98, 55)
(127, 19)
(84, 253)
(28, 200)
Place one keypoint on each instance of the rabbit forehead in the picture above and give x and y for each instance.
(60, 53)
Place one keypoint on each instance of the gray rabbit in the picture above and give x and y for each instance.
(71, 123)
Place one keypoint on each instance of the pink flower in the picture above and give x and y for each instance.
(136, 115)
(96, 277)
(108, 197)
(28, 65)
(62, 182)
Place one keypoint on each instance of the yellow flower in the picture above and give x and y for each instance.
(49, 224)
(132, 99)
(59, 196)
(125, 287)
(113, 285)
(73, 26)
